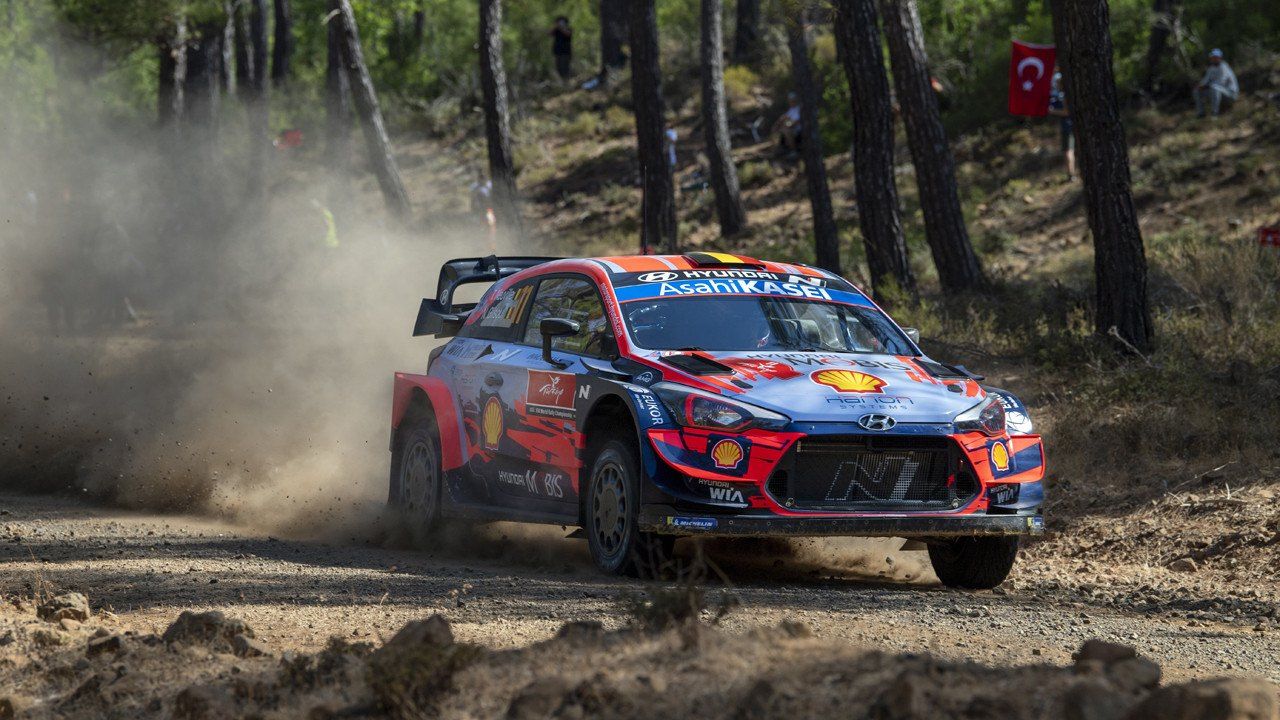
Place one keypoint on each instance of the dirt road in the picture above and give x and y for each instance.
(507, 586)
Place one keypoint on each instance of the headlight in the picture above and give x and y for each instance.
(985, 417)
(1018, 422)
(694, 408)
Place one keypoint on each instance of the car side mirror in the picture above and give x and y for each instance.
(912, 333)
(553, 328)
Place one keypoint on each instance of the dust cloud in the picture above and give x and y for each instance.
(174, 339)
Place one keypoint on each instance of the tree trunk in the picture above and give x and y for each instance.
(419, 28)
(254, 92)
(658, 207)
(366, 103)
(227, 62)
(826, 236)
(243, 52)
(258, 45)
(337, 97)
(1164, 14)
(497, 127)
(1082, 29)
(958, 268)
(282, 51)
(613, 35)
(746, 32)
(858, 37)
(172, 75)
(200, 90)
(715, 122)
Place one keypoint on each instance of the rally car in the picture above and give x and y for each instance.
(649, 397)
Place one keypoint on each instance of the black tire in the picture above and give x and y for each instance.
(416, 477)
(974, 563)
(610, 514)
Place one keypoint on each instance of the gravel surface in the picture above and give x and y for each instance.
(508, 586)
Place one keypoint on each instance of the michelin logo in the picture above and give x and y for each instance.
(697, 523)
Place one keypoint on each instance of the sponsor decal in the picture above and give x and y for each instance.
(793, 287)
(849, 381)
(877, 422)
(584, 392)
(550, 394)
(1000, 456)
(741, 287)
(650, 408)
(536, 482)
(885, 402)
(818, 359)
(492, 423)
(726, 454)
(508, 308)
(722, 491)
(645, 378)
(654, 277)
(698, 523)
(755, 369)
(463, 350)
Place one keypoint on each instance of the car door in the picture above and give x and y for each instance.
(485, 395)
(537, 465)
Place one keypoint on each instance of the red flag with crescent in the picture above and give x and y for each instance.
(1030, 78)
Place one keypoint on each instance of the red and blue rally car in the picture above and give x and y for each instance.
(643, 398)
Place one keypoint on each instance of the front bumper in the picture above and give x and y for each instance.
(667, 520)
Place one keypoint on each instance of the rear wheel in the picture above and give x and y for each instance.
(974, 563)
(611, 514)
(416, 477)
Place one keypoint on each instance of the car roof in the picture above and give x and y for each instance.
(619, 264)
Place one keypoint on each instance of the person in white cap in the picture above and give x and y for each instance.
(1217, 84)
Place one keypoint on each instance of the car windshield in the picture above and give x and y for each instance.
(762, 323)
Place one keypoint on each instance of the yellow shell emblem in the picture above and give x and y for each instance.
(849, 381)
(1000, 456)
(491, 423)
(726, 454)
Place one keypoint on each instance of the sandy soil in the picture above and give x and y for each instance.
(510, 586)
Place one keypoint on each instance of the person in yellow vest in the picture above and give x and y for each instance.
(330, 224)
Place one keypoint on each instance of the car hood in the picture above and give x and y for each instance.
(841, 387)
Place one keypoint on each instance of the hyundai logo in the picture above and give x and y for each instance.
(657, 277)
(877, 422)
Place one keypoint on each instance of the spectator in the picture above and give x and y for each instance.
(787, 127)
(562, 46)
(1219, 83)
(671, 137)
(481, 192)
(1058, 108)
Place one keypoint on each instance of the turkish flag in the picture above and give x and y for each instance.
(1030, 78)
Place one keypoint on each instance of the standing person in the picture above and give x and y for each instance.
(1219, 83)
(671, 136)
(1058, 108)
(562, 47)
(788, 126)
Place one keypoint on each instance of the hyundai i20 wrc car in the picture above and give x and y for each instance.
(649, 397)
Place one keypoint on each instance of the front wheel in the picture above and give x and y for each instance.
(415, 476)
(974, 563)
(611, 515)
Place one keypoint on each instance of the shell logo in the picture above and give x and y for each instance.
(491, 423)
(726, 454)
(1000, 456)
(849, 381)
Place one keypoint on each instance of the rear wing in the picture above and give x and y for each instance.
(440, 316)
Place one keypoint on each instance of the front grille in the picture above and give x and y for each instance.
(873, 472)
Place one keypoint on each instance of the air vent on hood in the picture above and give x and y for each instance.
(698, 364)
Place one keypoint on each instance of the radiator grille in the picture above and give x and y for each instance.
(873, 472)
